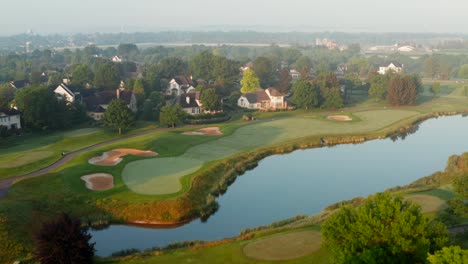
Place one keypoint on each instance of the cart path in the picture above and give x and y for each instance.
(6, 183)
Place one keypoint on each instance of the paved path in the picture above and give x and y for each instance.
(6, 183)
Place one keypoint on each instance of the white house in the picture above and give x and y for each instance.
(263, 99)
(394, 67)
(10, 118)
(406, 48)
(180, 85)
(63, 92)
(117, 59)
(295, 75)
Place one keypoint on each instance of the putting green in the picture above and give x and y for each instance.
(162, 175)
(23, 159)
(284, 246)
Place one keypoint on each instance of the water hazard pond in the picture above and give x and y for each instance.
(306, 181)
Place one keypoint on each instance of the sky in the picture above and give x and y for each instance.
(88, 16)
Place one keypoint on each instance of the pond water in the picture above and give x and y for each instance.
(305, 182)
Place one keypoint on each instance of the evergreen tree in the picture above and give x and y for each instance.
(305, 95)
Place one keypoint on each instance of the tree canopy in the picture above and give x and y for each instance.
(82, 75)
(171, 115)
(265, 71)
(63, 240)
(402, 90)
(385, 228)
(378, 86)
(118, 115)
(305, 94)
(250, 82)
(210, 100)
(7, 94)
(107, 76)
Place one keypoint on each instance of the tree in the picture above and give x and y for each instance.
(402, 90)
(170, 67)
(7, 94)
(41, 110)
(36, 78)
(303, 63)
(265, 71)
(385, 228)
(210, 100)
(171, 115)
(449, 255)
(82, 75)
(63, 240)
(305, 95)
(284, 84)
(431, 67)
(250, 82)
(127, 50)
(435, 88)
(139, 91)
(378, 86)
(333, 98)
(202, 65)
(118, 115)
(107, 76)
(463, 72)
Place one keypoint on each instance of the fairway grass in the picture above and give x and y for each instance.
(284, 246)
(24, 159)
(160, 176)
(428, 203)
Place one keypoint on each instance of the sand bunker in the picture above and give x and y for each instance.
(114, 157)
(98, 181)
(339, 118)
(207, 131)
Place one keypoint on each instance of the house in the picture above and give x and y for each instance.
(295, 75)
(10, 118)
(117, 59)
(247, 66)
(190, 103)
(64, 92)
(406, 48)
(394, 67)
(180, 85)
(19, 84)
(97, 104)
(263, 99)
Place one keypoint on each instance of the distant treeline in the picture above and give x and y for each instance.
(18, 42)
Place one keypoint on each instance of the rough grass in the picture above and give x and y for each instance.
(284, 246)
(428, 203)
(163, 175)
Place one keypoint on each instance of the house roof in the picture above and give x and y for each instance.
(19, 84)
(68, 90)
(188, 100)
(8, 112)
(258, 96)
(182, 80)
(105, 97)
(274, 92)
(396, 64)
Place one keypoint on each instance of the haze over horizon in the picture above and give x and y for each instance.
(108, 16)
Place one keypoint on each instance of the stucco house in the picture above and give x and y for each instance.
(96, 105)
(180, 85)
(63, 92)
(10, 118)
(263, 99)
(393, 66)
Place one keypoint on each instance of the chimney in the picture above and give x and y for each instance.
(187, 99)
(117, 93)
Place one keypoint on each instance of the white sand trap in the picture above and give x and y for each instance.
(114, 157)
(339, 118)
(98, 181)
(207, 131)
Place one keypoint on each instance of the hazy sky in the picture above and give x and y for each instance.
(72, 16)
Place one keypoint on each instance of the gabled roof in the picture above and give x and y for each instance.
(68, 90)
(188, 100)
(258, 96)
(182, 80)
(274, 92)
(105, 97)
(399, 65)
(8, 112)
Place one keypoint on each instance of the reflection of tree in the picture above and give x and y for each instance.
(404, 133)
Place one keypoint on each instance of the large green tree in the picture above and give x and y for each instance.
(250, 82)
(378, 86)
(41, 110)
(305, 94)
(63, 240)
(284, 84)
(265, 71)
(210, 100)
(82, 75)
(435, 88)
(171, 115)
(385, 229)
(107, 76)
(449, 255)
(7, 94)
(118, 115)
(402, 90)
(463, 72)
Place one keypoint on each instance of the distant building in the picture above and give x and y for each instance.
(406, 48)
(19, 84)
(117, 59)
(10, 118)
(180, 85)
(63, 92)
(394, 67)
(263, 99)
